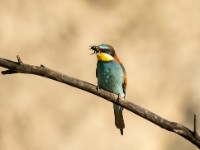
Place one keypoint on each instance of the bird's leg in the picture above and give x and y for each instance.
(118, 97)
(98, 88)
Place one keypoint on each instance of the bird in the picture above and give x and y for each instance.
(111, 76)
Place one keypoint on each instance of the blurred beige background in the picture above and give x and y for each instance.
(158, 42)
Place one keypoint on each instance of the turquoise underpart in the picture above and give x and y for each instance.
(110, 77)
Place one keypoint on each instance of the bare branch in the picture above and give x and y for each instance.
(20, 67)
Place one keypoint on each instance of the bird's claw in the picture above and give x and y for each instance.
(98, 88)
(118, 97)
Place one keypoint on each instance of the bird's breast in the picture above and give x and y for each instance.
(110, 76)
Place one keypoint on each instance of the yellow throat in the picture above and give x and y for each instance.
(104, 57)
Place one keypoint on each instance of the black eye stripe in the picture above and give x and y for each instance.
(105, 50)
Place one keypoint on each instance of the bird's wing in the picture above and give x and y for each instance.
(124, 85)
(96, 73)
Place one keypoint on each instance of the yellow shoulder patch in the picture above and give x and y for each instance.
(104, 57)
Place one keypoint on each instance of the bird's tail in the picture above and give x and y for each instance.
(119, 120)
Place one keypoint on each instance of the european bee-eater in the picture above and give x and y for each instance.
(111, 76)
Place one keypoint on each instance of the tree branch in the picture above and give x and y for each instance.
(20, 67)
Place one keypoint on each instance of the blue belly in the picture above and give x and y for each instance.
(110, 77)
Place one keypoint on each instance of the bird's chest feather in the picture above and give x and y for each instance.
(110, 76)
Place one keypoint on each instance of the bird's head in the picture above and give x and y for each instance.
(104, 52)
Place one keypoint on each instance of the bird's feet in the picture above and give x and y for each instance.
(118, 97)
(98, 88)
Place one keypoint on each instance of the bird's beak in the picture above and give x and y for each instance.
(95, 49)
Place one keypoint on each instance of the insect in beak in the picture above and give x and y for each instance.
(95, 49)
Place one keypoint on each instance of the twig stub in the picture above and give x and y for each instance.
(195, 126)
(19, 60)
(8, 72)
